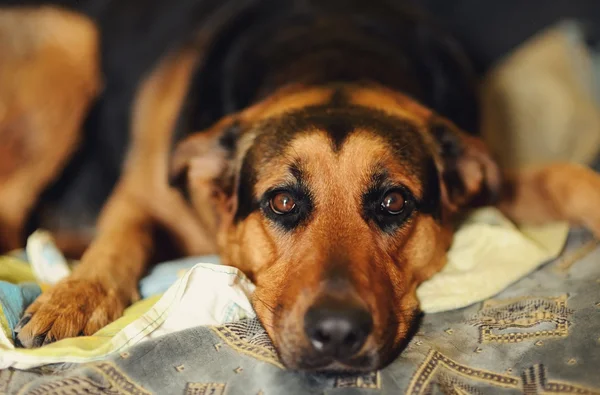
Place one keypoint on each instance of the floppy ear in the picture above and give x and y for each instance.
(204, 155)
(202, 168)
(469, 174)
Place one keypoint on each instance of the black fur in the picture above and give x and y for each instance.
(326, 41)
(247, 201)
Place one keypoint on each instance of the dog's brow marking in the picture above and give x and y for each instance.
(339, 98)
(339, 131)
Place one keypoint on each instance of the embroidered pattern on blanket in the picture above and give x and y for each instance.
(205, 389)
(455, 378)
(369, 380)
(436, 363)
(450, 384)
(249, 337)
(113, 381)
(535, 381)
(519, 319)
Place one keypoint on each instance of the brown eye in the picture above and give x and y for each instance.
(282, 203)
(393, 202)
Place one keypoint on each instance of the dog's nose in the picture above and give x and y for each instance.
(337, 331)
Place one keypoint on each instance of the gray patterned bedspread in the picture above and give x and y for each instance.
(540, 336)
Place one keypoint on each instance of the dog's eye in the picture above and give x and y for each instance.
(282, 203)
(393, 203)
(388, 206)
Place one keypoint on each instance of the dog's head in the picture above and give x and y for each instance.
(337, 203)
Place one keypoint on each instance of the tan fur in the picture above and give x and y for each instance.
(48, 78)
(560, 191)
(290, 98)
(391, 102)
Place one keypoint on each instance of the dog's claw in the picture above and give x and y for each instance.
(24, 320)
(34, 342)
(39, 340)
(47, 340)
(18, 343)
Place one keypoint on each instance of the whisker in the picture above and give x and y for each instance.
(268, 306)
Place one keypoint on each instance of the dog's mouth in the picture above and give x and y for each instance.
(360, 364)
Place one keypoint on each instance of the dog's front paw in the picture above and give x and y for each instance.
(73, 307)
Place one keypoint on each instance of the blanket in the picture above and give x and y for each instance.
(540, 335)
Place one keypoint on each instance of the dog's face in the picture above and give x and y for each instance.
(336, 202)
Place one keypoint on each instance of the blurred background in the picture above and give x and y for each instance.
(540, 65)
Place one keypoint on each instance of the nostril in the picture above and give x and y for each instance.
(322, 336)
(320, 339)
(351, 339)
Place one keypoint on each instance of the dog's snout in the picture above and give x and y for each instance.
(337, 331)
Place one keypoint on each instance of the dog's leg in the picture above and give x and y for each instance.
(48, 79)
(106, 280)
(562, 191)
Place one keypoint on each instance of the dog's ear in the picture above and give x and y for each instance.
(470, 176)
(204, 160)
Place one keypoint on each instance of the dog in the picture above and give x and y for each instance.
(338, 148)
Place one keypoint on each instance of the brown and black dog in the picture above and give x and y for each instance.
(331, 173)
